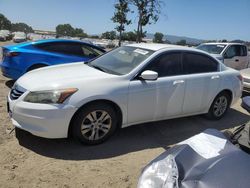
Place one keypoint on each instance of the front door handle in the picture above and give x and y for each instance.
(215, 77)
(178, 82)
(236, 60)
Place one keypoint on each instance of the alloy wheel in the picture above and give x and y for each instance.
(220, 106)
(96, 125)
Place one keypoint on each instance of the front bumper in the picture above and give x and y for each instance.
(44, 120)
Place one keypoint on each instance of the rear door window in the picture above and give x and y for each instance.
(69, 48)
(198, 63)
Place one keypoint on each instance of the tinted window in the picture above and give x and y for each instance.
(166, 65)
(236, 50)
(61, 47)
(91, 52)
(196, 63)
(244, 50)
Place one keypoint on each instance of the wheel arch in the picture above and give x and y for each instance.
(116, 107)
(36, 65)
(228, 91)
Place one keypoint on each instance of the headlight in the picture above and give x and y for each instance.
(49, 97)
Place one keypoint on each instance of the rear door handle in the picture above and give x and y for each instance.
(215, 77)
(236, 60)
(178, 82)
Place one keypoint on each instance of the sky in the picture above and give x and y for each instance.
(201, 19)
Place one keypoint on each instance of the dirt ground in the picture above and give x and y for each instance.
(30, 161)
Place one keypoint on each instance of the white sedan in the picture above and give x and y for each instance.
(132, 84)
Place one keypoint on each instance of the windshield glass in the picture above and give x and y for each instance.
(212, 48)
(20, 34)
(121, 60)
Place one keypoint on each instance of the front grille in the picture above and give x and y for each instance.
(15, 94)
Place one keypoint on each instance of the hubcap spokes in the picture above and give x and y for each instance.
(220, 106)
(96, 125)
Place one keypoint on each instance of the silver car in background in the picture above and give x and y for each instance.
(19, 37)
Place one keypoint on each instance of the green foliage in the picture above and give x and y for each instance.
(182, 43)
(23, 27)
(5, 24)
(120, 17)
(65, 30)
(80, 33)
(94, 36)
(129, 36)
(68, 30)
(158, 37)
(109, 35)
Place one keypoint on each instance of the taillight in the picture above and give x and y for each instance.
(12, 54)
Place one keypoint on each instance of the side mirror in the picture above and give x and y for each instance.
(149, 75)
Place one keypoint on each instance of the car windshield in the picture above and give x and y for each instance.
(20, 34)
(121, 60)
(212, 48)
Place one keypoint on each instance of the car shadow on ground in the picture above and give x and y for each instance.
(10, 83)
(131, 139)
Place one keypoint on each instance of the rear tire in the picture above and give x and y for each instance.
(219, 106)
(94, 123)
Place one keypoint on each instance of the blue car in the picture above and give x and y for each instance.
(24, 57)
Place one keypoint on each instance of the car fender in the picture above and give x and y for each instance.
(120, 101)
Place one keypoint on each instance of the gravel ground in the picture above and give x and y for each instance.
(30, 161)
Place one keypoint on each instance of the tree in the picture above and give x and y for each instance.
(80, 33)
(120, 17)
(23, 27)
(94, 36)
(4, 23)
(130, 36)
(109, 35)
(148, 13)
(65, 30)
(182, 43)
(158, 37)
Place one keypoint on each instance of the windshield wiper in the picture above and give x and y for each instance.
(97, 67)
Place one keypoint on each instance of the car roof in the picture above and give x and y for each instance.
(55, 40)
(223, 43)
(157, 47)
(48, 41)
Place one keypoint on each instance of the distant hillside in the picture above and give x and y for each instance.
(173, 39)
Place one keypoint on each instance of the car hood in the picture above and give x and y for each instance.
(61, 76)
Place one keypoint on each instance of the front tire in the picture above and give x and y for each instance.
(219, 106)
(94, 124)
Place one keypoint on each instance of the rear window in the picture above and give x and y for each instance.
(197, 63)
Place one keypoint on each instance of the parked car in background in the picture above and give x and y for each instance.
(19, 37)
(5, 35)
(24, 57)
(129, 85)
(246, 79)
(235, 55)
